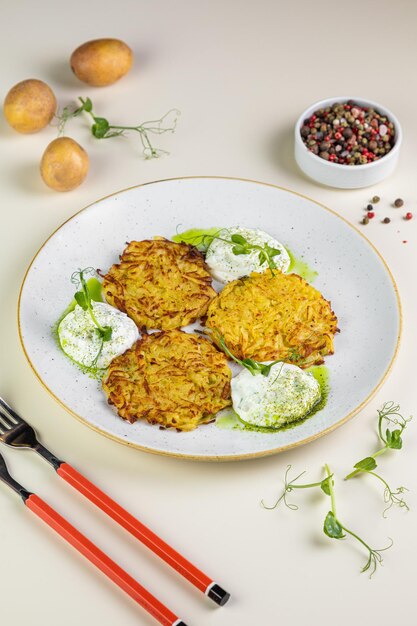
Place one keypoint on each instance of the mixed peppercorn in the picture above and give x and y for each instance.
(348, 134)
(370, 212)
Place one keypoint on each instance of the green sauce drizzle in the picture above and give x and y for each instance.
(300, 267)
(198, 237)
(228, 420)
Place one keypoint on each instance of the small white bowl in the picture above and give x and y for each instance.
(346, 176)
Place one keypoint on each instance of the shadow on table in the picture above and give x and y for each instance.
(60, 73)
(281, 151)
(280, 148)
(28, 178)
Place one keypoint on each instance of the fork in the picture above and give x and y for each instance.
(17, 433)
(104, 563)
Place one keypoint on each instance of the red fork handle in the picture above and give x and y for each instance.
(143, 533)
(146, 600)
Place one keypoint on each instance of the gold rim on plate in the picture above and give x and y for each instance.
(238, 457)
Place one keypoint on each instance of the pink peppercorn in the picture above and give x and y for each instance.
(371, 214)
(408, 216)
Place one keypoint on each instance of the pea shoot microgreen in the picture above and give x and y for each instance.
(332, 526)
(255, 367)
(84, 300)
(290, 486)
(101, 128)
(392, 440)
(266, 253)
(240, 245)
(335, 529)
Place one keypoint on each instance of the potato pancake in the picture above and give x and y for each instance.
(272, 316)
(160, 284)
(170, 378)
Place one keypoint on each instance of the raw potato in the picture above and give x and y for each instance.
(29, 106)
(64, 164)
(101, 62)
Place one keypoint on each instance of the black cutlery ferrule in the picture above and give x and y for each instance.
(218, 595)
(48, 456)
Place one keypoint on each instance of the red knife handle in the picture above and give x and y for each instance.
(140, 531)
(146, 600)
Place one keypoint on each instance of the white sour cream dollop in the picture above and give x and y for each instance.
(226, 266)
(287, 394)
(80, 340)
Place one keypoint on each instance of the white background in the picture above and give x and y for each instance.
(240, 72)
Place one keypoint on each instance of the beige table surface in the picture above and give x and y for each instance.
(240, 72)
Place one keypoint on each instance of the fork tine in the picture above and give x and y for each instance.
(12, 415)
(4, 424)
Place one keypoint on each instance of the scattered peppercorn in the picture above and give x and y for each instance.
(375, 199)
(365, 220)
(386, 220)
(347, 133)
(369, 207)
(398, 203)
(408, 216)
(371, 214)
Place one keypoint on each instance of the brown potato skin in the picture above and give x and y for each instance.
(29, 106)
(101, 62)
(64, 164)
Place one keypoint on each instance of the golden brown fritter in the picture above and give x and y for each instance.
(271, 316)
(160, 284)
(170, 378)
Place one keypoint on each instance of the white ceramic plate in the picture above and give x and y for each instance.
(350, 273)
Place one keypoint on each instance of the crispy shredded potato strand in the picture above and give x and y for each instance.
(170, 378)
(160, 284)
(274, 316)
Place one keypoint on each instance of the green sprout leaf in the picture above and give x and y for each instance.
(262, 257)
(86, 106)
(272, 251)
(325, 486)
(100, 127)
(238, 249)
(81, 300)
(366, 464)
(332, 527)
(107, 333)
(394, 440)
(238, 239)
